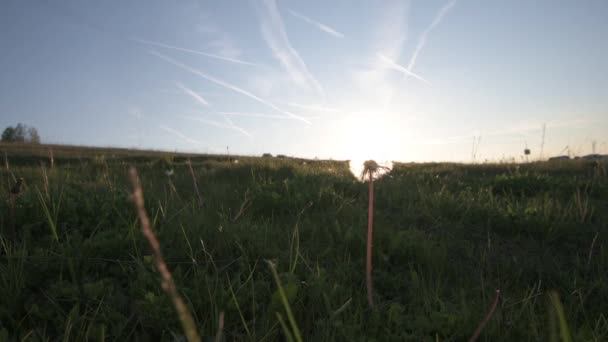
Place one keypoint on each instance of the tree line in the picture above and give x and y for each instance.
(21, 134)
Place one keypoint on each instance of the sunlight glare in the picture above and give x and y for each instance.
(368, 136)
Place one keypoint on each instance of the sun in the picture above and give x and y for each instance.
(365, 136)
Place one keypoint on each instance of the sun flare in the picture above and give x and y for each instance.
(368, 137)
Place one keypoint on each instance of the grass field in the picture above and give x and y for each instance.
(446, 236)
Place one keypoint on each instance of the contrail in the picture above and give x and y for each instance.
(262, 115)
(180, 135)
(317, 24)
(194, 95)
(401, 68)
(236, 128)
(276, 37)
(230, 125)
(438, 17)
(228, 86)
(314, 108)
(210, 55)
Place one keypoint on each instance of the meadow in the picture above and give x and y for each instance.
(75, 265)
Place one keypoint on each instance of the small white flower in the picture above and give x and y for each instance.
(169, 172)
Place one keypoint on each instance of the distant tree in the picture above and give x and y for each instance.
(21, 133)
(8, 135)
(32, 136)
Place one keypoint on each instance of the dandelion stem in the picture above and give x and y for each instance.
(370, 230)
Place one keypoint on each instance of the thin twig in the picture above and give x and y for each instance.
(167, 282)
(486, 319)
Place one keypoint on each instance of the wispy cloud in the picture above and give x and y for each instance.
(229, 86)
(314, 108)
(224, 46)
(263, 115)
(401, 68)
(136, 112)
(180, 135)
(317, 24)
(177, 48)
(193, 94)
(236, 128)
(438, 18)
(521, 130)
(389, 37)
(228, 125)
(273, 31)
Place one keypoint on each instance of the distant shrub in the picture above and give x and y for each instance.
(21, 133)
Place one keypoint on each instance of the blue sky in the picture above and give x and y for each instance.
(400, 80)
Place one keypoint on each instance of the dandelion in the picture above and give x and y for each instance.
(371, 169)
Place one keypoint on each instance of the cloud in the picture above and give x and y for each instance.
(263, 115)
(193, 94)
(225, 47)
(229, 86)
(236, 128)
(314, 108)
(521, 129)
(401, 68)
(276, 37)
(317, 24)
(228, 125)
(136, 112)
(438, 18)
(177, 48)
(180, 135)
(389, 38)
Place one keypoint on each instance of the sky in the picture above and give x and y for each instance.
(445, 80)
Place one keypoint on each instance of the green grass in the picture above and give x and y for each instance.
(446, 236)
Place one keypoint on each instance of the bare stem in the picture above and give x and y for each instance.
(167, 283)
(220, 328)
(12, 216)
(486, 319)
(370, 228)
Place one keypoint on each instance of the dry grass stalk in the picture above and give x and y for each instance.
(13, 193)
(220, 328)
(486, 319)
(45, 179)
(591, 249)
(167, 282)
(246, 203)
(370, 170)
(198, 194)
(52, 159)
